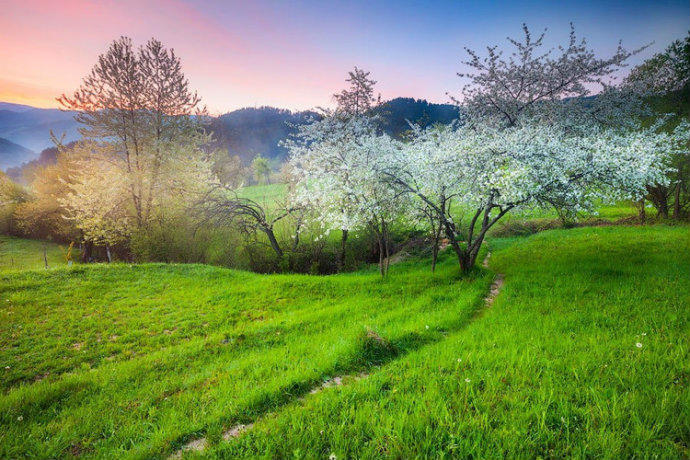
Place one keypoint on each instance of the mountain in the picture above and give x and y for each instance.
(246, 132)
(396, 113)
(258, 131)
(30, 126)
(250, 132)
(12, 154)
(15, 107)
(46, 157)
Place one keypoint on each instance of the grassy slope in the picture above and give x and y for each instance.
(142, 358)
(551, 370)
(21, 254)
(264, 194)
(113, 360)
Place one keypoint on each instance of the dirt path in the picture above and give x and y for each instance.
(496, 286)
(200, 444)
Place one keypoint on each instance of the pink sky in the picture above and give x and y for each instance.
(296, 53)
(48, 46)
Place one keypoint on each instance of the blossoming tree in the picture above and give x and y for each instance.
(489, 171)
(531, 135)
(337, 166)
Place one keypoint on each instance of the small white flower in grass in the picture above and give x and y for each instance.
(427, 327)
(332, 457)
(644, 333)
(7, 367)
(459, 360)
(20, 418)
(638, 345)
(467, 380)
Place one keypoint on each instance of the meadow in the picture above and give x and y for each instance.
(583, 353)
(23, 254)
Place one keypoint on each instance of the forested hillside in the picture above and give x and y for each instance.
(247, 132)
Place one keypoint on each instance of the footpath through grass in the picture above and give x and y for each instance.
(132, 361)
(585, 353)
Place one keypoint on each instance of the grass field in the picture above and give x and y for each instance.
(585, 352)
(21, 254)
(264, 194)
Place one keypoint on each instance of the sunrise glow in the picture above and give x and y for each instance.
(285, 54)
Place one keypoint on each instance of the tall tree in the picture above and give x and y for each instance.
(138, 102)
(355, 101)
(359, 98)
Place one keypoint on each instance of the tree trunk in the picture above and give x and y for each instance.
(381, 256)
(435, 248)
(45, 255)
(107, 252)
(341, 254)
(295, 241)
(658, 195)
(86, 253)
(274, 242)
(386, 245)
(676, 202)
(663, 209)
(642, 212)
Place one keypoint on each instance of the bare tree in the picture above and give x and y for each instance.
(223, 205)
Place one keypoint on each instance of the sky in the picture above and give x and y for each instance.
(296, 54)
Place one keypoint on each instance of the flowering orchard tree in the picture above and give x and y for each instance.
(337, 167)
(667, 76)
(357, 100)
(549, 85)
(492, 170)
(531, 136)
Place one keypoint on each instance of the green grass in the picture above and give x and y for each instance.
(133, 361)
(21, 254)
(551, 370)
(264, 194)
(273, 193)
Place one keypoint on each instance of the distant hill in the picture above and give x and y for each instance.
(396, 113)
(246, 132)
(46, 157)
(250, 132)
(30, 126)
(12, 154)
